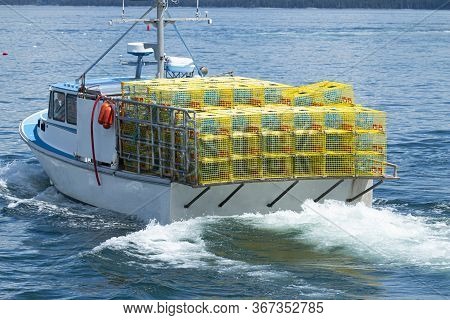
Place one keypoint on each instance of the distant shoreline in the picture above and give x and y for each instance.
(223, 7)
(253, 4)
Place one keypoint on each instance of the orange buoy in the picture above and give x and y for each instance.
(106, 115)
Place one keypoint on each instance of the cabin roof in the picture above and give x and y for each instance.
(106, 86)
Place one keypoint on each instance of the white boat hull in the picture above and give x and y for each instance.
(154, 198)
(143, 199)
(166, 202)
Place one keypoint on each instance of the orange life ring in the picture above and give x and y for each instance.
(106, 115)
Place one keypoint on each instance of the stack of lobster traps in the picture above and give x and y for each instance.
(205, 131)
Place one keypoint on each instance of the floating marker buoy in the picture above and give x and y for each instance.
(4, 53)
(148, 27)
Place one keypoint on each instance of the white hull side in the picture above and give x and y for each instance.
(166, 203)
(142, 199)
(255, 197)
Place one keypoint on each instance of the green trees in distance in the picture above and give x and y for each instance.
(373, 4)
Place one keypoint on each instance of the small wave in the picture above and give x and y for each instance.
(49, 201)
(182, 245)
(24, 183)
(61, 211)
(381, 235)
(24, 178)
(178, 245)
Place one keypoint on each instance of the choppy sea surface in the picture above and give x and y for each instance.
(52, 247)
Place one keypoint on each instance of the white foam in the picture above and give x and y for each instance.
(381, 235)
(3, 184)
(179, 245)
(52, 203)
(28, 176)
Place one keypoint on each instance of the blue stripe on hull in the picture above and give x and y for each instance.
(30, 132)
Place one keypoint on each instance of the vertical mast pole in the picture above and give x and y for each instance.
(160, 25)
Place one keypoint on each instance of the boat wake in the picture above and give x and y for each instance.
(179, 244)
(22, 178)
(381, 236)
(25, 183)
(25, 190)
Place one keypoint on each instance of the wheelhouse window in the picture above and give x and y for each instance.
(59, 106)
(71, 104)
(50, 106)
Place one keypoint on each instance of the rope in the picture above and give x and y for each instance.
(92, 140)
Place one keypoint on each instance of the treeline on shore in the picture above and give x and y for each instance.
(341, 4)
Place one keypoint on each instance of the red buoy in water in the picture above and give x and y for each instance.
(4, 53)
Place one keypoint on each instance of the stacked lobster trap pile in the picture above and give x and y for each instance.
(204, 131)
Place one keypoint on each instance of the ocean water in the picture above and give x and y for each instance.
(52, 247)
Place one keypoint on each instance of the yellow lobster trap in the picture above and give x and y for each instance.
(246, 168)
(339, 165)
(277, 142)
(370, 164)
(246, 144)
(213, 171)
(243, 120)
(308, 165)
(371, 142)
(367, 119)
(309, 142)
(332, 93)
(308, 119)
(277, 166)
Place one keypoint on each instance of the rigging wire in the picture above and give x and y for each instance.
(394, 39)
(83, 76)
(185, 45)
(50, 35)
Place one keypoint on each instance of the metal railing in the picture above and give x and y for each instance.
(395, 170)
(158, 140)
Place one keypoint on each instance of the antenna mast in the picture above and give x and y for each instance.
(161, 7)
(159, 23)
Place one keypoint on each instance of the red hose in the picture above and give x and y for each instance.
(92, 140)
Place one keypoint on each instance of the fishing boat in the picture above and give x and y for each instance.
(181, 144)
